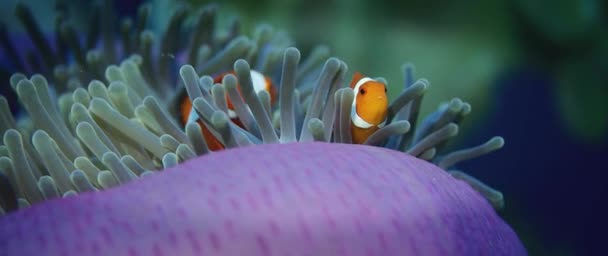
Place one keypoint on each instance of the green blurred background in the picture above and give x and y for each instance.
(460, 46)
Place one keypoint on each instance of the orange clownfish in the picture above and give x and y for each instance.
(260, 83)
(369, 109)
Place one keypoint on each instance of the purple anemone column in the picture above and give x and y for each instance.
(274, 199)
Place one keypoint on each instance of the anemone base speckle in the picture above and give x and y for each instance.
(272, 199)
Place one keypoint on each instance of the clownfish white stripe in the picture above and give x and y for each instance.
(354, 116)
(193, 116)
(358, 86)
(232, 114)
(259, 81)
(359, 122)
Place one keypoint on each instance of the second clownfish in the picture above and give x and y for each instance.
(369, 109)
(260, 83)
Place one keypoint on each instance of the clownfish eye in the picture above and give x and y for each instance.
(362, 91)
(385, 90)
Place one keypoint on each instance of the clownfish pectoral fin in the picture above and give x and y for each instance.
(356, 77)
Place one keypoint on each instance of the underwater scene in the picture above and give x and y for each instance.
(291, 127)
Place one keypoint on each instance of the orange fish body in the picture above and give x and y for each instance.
(184, 109)
(260, 82)
(369, 109)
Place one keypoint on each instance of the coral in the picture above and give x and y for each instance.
(121, 128)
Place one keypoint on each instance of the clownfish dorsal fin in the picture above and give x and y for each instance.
(356, 77)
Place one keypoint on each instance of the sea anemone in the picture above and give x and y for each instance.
(289, 183)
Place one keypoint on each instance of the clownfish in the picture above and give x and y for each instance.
(260, 83)
(369, 109)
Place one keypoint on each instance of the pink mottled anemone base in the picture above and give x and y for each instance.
(273, 199)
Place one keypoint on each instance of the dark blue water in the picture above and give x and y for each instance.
(555, 185)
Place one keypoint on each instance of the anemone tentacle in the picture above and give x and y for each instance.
(144, 132)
